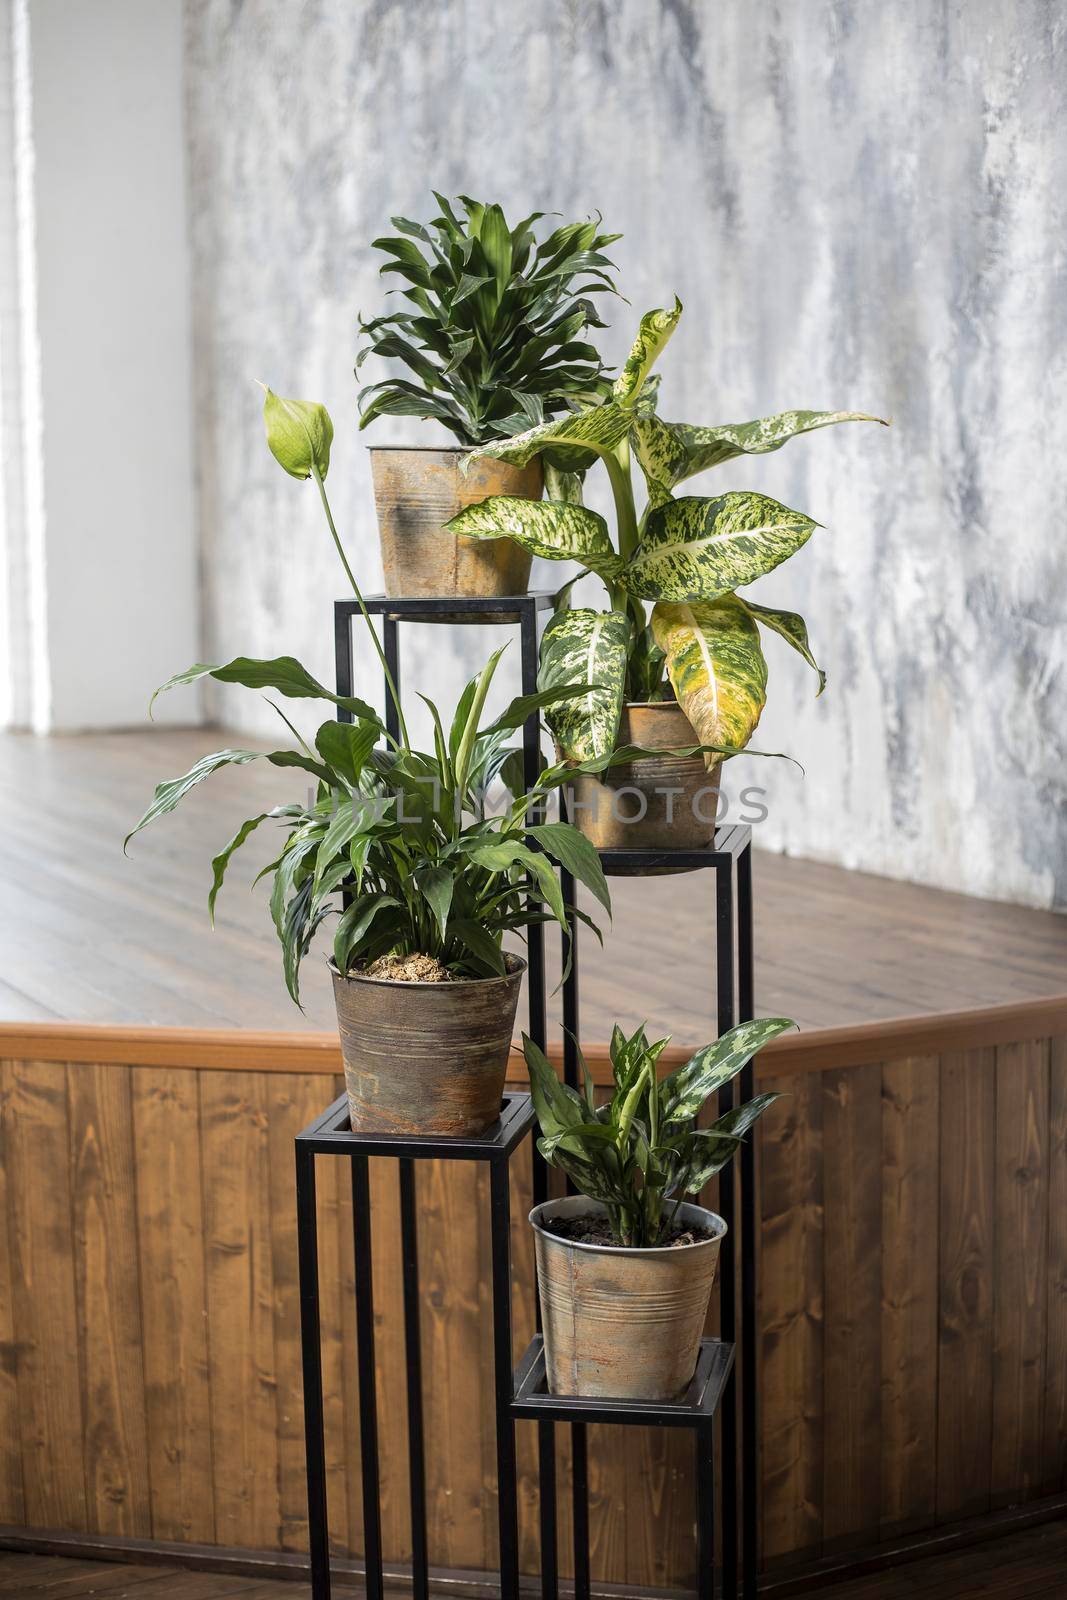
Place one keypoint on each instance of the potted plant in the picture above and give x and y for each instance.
(399, 845)
(692, 673)
(625, 1267)
(492, 337)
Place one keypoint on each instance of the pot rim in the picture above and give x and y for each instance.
(570, 1203)
(408, 983)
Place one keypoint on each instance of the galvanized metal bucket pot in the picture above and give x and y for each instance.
(416, 492)
(426, 1058)
(661, 803)
(619, 1323)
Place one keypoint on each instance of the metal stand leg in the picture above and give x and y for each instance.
(749, 1414)
(413, 1353)
(705, 1471)
(342, 654)
(724, 965)
(546, 1465)
(536, 986)
(580, 1488)
(500, 1214)
(391, 647)
(314, 1436)
(368, 1399)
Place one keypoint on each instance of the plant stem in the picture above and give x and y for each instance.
(317, 475)
(618, 464)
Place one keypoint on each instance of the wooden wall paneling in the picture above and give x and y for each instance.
(173, 1308)
(792, 1331)
(911, 1099)
(852, 1355)
(12, 1501)
(41, 1246)
(1021, 1265)
(107, 1279)
(1055, 1441)
(965, 1341)
(235, 1155)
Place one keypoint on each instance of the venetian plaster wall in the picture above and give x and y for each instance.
(860, 205)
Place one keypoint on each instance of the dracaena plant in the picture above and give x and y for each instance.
(493, 333)
(398, 843)
(688, 555)
(641, 1152)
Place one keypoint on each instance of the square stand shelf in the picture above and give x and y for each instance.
(331, 1135)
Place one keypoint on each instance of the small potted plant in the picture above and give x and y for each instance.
(493, 339)
(398, 845)
(625, 1267)
(692, 674)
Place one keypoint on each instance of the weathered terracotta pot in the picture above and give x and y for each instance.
(416, 492)
(619, 1323)
(662, 803)
(426, 1057)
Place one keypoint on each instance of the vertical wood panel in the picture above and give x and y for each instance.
(391, 1355)
(1055, 1442)
(852, 1200)
(791, 1421)
(41, 1242)
(170, 1231)
(109, 1300)
(12, 1502)
(965, 1391)
(1021, 1201)
(910, 1200)
(240, 1294)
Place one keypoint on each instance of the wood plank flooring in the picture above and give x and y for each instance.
(87, 935)
(1028, 1565)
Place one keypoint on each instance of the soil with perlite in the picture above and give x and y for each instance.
(597, 1230)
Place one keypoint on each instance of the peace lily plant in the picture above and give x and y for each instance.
(688, 555)
(398, 845)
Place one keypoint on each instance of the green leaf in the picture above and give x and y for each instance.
(354, 816)
(222, 860)
(548, 528)
(684, 1092)
(673, 451)
(283, 673)
(576, 854)
(740, 1119)
(586, 647)
(695, 549)
(465, 748)
(299, 434)
(345, 746)
(655, 330)
(170, 793)
(716, 667)
(602, 428)
(481, 944)
(790, 625)
(354, 925)
(436, 886)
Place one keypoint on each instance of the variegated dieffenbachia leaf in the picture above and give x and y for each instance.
(562, 485)
(716, 667)
(602, 428)
(548, 528)
(696, 549)
(584, 646)
(653, 334)
(669, 452)
(793, 629)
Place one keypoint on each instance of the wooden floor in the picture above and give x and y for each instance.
(87, 935)
(1029, 1565)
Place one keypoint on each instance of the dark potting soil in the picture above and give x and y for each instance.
(595, 1229)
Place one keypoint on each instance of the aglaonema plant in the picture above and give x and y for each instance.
(493, 335)
(397, 843)
(688, 555)
(641, 1152)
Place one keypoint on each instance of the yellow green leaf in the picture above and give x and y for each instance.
(716, 668)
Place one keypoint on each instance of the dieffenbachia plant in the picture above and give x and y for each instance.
(687, 554)
(396, 842)
(643, 1148)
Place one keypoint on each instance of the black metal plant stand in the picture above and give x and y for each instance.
(522, 1392)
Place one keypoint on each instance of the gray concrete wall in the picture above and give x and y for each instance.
(860, 205)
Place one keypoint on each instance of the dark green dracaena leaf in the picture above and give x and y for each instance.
(695, 549)
(586, 647)
(791, 627)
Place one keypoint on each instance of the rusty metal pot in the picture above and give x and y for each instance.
(416, 492)
(426, 1057)
(661, 803)
(622, 1323)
